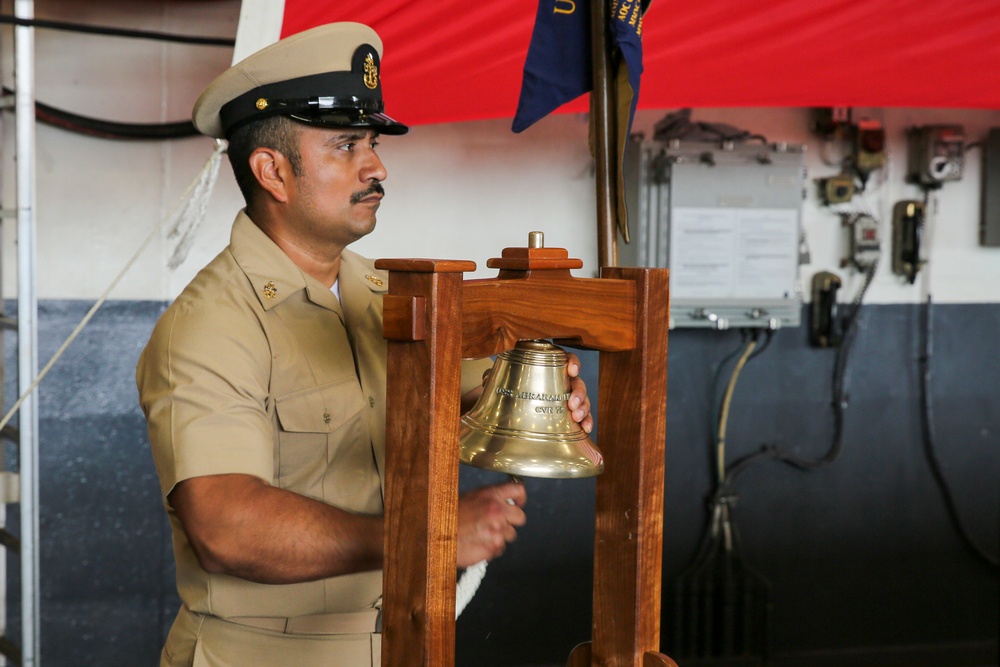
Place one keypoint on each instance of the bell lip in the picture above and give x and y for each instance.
(483, 449)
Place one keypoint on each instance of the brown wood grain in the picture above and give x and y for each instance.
(404, 317)
(629, 518)
(593, 313)
(419, 265)
(579, 656)
(655, 659)
(421, 479)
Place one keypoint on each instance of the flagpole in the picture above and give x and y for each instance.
(603, 132)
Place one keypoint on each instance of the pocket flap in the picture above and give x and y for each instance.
(320, 409)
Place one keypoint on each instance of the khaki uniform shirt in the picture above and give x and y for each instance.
(257, 368)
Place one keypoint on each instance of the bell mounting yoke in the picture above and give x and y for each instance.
(433, 319)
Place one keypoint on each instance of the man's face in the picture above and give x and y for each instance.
(338, 189)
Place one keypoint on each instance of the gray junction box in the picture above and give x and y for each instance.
(726, 219)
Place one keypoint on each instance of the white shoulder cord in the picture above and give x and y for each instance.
(195, 206)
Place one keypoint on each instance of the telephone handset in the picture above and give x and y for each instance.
(824, 322)
(907, 235)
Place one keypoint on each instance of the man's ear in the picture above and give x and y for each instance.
(273, 171)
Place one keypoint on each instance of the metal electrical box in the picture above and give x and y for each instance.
(989, 224)
(727, 221)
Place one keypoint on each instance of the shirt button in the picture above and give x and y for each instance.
(371, 401)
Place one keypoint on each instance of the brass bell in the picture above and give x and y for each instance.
(521, 424)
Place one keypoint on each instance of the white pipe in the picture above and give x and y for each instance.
(27, 327)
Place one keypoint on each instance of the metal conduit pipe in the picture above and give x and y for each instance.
(27, 334)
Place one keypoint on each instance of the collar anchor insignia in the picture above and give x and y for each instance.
(270, 289)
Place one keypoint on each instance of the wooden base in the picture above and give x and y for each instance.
(582, 657)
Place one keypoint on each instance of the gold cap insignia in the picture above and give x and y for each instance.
(261, 103)
(270, 289)
(371, 72)
(375, 279)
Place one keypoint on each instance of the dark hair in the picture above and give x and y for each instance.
(277, 132)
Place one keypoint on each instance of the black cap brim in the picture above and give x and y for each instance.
(377, 122)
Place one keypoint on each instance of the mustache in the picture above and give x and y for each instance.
(375, 189)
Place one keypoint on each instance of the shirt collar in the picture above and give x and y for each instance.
(272, 273)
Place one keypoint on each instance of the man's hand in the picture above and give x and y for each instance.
(487, 518)
(579, 402)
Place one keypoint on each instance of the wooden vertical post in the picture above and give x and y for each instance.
(629, 520)
(423, 311)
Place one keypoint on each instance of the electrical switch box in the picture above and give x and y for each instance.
(936, 155)
(865, 241)
(726, 220)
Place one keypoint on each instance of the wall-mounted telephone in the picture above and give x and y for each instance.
(824, 321)
(936, 154)
(907, 234)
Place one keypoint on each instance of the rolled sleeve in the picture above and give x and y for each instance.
(203, 386)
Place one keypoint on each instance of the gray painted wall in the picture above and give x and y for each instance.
(861, 557)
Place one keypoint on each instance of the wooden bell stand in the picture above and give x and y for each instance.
(434, 318)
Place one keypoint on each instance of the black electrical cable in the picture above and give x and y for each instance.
(111, 129)
(706, 543)
(106, 129)
(839, 403)
(117, 32)
(927, 424)
(769, 333)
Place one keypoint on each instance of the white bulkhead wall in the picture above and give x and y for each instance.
(455, 191)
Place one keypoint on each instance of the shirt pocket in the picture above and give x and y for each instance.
(324, 447)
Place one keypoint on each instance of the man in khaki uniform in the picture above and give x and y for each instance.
(264, 382)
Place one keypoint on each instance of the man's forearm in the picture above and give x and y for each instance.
(240, 526)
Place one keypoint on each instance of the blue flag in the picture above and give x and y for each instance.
(558, 66)
(625, 20)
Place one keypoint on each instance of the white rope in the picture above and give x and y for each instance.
(211, 167)
(193, 210)
(468, 584)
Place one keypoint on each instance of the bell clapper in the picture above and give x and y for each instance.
(514, 479)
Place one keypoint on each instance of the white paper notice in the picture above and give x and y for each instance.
(731, 253)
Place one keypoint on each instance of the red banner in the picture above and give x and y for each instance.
(451, 61)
